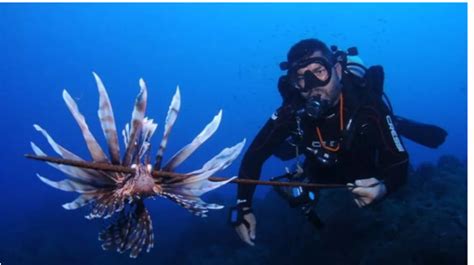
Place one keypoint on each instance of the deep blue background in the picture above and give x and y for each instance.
(222, 56)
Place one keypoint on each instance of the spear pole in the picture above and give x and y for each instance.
(173, 175)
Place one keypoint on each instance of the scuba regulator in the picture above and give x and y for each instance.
(294, 83)
(315, 107)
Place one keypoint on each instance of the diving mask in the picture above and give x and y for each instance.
(317, 75)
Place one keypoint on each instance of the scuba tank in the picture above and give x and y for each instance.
(428, 135)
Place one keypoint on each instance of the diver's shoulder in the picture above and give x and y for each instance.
(288, 109)
(373, 109)
(283, 113)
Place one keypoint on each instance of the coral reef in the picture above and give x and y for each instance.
(425, 222)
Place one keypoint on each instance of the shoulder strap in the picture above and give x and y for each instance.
(368, 90)
(375, 79)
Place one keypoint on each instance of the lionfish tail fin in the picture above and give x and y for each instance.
(132, 231)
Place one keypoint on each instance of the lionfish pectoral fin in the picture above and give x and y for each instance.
(79, 202)
(86, 175)
(219, 162)
(193, 204)
(186, 192)
(198, 188)
(132, 231)
(67, 185)
(56, 147)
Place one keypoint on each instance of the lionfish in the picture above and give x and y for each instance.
(122, 195)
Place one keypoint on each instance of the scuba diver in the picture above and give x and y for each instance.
(335, 114)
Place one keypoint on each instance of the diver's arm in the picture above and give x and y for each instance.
(392, 159)
(379, 142)
(395, 173)
(273, 133)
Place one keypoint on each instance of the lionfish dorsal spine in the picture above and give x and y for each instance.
(126, 135)
(189, 149)
(171, 117)
(94, 148)
(148, 129)
(113, 194)
(107, 121)
(136, 124)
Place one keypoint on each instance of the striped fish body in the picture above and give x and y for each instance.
(119, 196)
(141, 184)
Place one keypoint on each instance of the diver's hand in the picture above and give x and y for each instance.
(246, 230)
(370, 190)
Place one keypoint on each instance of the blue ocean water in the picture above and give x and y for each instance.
(222, 56)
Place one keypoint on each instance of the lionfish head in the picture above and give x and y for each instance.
(142, 183)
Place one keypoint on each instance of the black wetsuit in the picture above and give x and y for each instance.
(370, 148)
